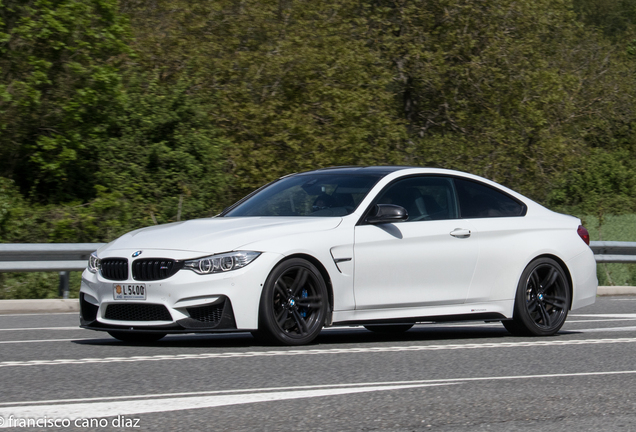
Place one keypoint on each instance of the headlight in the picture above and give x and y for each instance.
(93, 263)
(222, 262)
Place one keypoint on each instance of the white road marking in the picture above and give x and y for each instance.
(142, 404)
(342, 329)
(39, 314)
(604, 329)
(598, 320)
(41, 328)
(619, 317)
(321, 386)
(332, 351)
(210, 392)
(43, 340)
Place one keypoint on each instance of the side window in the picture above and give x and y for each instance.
(476, 200)
(424, 198)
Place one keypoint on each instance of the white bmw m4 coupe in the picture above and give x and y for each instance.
(383, 247)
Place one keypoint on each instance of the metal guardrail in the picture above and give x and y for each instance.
(65, 257)
(33, 257)
(38, 257)
(614, 251)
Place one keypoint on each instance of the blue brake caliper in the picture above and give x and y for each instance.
(303, 311)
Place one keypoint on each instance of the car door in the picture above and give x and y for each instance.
(429, 259)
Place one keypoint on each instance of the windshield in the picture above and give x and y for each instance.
(312, 194)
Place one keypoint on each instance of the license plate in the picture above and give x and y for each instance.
(129, 291)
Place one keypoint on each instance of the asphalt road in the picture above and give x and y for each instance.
(452, 377)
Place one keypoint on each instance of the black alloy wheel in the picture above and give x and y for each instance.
(136, 337)
(293, 305)
(388, 328)
(542, 300)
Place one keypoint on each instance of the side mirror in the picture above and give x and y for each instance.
(387, 213)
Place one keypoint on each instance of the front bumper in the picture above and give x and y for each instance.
(183, 303)
(211, 317)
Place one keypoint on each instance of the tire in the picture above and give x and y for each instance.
(542, 300)
(136, 337)
(293, 304)
(388, 328)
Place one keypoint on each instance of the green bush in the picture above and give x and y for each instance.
(36, 285)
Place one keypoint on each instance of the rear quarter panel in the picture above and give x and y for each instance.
(508, 245)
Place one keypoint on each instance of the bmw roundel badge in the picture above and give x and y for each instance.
(136, 254)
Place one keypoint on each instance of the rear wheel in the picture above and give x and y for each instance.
(293, 304)
(542, 300)
(389, 328)
(137, 337)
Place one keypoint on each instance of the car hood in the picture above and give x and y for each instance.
(214, 235)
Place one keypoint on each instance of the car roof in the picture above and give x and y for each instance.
(377, 170)
(382, 171)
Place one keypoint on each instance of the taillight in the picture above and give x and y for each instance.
(582, 232)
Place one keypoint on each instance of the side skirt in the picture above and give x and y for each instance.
(492, 311)
(492, 316)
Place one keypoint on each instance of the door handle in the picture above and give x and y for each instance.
(460, 233)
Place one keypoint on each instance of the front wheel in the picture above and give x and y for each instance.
(542, 300)
(293, 303)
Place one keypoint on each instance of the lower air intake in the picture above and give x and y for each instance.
(208, 314)
(87, 310)
(137, 312)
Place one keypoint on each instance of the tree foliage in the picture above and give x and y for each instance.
(514, 91)
(162, 152)
(615, 18)
(297, 83)
(604, 184)
(59, 64)
(503, 89)
(115, 114)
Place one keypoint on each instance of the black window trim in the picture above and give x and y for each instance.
(362, 220)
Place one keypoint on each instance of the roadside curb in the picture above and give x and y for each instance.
(14, 307)
(616, 290)
(10, 307)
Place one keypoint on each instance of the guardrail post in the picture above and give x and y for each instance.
(63, 290)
